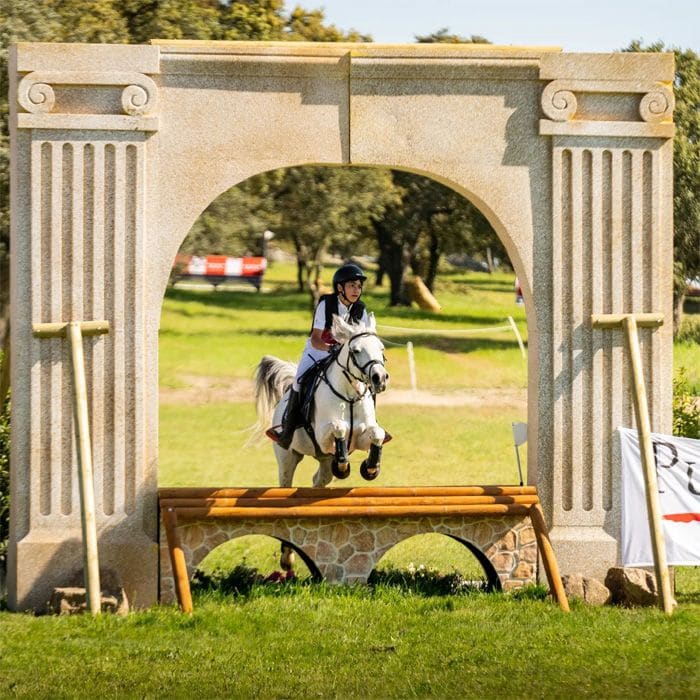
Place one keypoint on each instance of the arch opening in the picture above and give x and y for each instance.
(442, 363)
(237, 564)
(437, 562)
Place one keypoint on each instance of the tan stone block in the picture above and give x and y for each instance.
(345, 552)
(503, 562)
(358, 565)
(507, 541)
(192, 536)
(364, 541)
(526, 535)
(523, 570)
(340, 534)
(385, 537)
(511, 585)
(325, 552)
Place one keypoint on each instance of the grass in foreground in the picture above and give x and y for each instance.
(318, 641)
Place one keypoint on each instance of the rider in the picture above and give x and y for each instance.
(344, 302)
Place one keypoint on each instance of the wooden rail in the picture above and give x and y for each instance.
(361, 502)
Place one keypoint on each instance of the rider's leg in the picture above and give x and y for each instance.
(291, 419)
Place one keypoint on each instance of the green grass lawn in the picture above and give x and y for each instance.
(355, 643)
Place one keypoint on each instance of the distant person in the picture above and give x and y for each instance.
(344, 302)
(518, 292)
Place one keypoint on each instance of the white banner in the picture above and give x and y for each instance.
(678, 474)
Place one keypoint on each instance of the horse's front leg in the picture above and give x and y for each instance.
(334, 441)
(371, 438)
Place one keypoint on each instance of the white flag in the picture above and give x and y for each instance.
(678, 474)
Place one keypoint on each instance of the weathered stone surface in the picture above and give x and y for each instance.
(590, 590)
(487, 121)
(632, 587)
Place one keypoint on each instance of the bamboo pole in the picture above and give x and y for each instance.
(350, 511)
(85, 476)
(359, 491)
(641, 409)
(551, 567)
(74, 331)
(177, 561)
(630, 323)
(353, 501)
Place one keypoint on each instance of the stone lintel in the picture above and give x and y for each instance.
(606, 128)
(93, 122)
(463, 68)
(250, 66)
(355, 50)
(93, 57)
(608, 66)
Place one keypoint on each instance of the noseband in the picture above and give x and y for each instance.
(347, 371)
(364, 369)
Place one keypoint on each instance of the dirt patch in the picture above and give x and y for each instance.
(203, 390)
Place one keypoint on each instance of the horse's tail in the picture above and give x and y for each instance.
(272, 379)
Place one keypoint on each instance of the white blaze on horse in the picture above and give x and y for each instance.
(343, 418)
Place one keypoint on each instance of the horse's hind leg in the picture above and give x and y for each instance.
(323, 475)
(287, 461)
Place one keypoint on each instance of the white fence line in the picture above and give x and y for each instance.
(450, 331)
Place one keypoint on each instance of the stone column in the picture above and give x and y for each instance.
(611, 252)
(80, 145)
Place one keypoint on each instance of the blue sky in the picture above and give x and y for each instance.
(594, 25)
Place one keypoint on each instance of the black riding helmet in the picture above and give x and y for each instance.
(347, 273)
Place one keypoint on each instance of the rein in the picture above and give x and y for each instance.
(347, 372)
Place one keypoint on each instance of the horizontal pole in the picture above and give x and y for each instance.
(359, 491)
(653, 320)
(353, 501)
(351, 511)
(57, 330)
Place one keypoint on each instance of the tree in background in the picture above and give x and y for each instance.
(686, 172)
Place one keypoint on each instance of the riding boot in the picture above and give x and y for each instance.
(291, 419)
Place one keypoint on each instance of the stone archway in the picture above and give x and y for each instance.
(117, 149)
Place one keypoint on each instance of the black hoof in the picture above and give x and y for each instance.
(339, 473)
(369, 473)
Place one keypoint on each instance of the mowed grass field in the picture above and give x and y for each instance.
(314, 640)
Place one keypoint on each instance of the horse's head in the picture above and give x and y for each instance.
(362, 352)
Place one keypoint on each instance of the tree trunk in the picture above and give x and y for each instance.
(433, 261)
(395, 260)
(678, 303)
(489, 259)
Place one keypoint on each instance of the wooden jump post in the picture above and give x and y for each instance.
(75, 331)
(361, 502)
(629, 323)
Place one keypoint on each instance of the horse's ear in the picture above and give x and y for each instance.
(340, 330)
(371, 322)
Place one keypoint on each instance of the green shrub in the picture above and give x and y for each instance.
(689, 331)
(426, 581)
(686, 407)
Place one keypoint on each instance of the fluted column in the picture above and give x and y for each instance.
(81, 189)
(611, 252)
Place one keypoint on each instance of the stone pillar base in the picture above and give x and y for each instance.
(52, 560)
(584, 550)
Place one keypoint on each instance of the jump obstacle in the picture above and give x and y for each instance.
(341, 533)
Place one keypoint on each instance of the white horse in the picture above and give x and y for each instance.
(343, 418)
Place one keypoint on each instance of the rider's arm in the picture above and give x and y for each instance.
(317, 341)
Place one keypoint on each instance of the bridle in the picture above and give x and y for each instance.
(364, 369)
